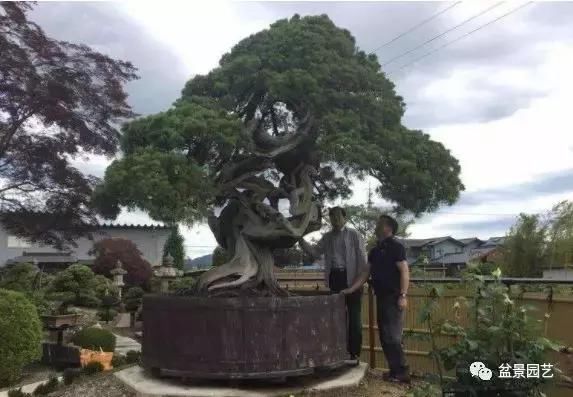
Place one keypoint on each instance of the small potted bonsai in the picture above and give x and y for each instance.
(97, 344)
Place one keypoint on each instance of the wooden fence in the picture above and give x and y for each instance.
(554, 310)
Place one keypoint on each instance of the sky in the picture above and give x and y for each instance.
(496, 88)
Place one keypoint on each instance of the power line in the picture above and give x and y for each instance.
(459, 38)
(472, 213)
(442, 34)
(417, 26)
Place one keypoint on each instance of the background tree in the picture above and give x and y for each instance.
(220, 256)
(292, 113)
(58, 101)
(560, 234)
(364, 219)
(174, 247)
(524, 247)
(287, 256)
(20, 277)
(108, 251)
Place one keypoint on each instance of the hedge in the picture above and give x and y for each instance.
(20, 335)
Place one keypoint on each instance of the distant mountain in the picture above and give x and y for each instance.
(200, 262)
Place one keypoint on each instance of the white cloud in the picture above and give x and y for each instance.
(530, 139)
(200, 33)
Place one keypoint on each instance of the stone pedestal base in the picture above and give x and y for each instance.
(145, 385)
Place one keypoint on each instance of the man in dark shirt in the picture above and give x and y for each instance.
(390, 276)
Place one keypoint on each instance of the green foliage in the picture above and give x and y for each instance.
(364, 219)
(501, 332)
(18, 393)
(560, 231)
(75, 285)
(95, 339)
(132, 357)
(220, 256)
(22, 277)
(92, 368)
(28, 279)
(299, 65)
(70, 375)
(48, 387)
(524, 247)
(174, 247)
(104, 287)
(424, 390)
(118, 360)
(20, 335)
(107, 314)
(133, 298)
(183, 283)
(480, 268)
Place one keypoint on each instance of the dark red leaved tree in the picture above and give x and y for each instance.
(58, 101)
(110, 250)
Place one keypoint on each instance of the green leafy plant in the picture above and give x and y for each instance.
(20, 334)
(108, 302)
(48, 387)
(107, 315)
(132, 301)
(118, 360)
(174, 247)
(501, 332)
(183, 283)
(92, 368)
(132, 357)
(75, 286)
(95, 339)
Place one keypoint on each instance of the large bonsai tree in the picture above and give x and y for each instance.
(291, 115)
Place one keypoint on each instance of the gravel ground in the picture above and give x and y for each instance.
(106, 385)
(372, 386)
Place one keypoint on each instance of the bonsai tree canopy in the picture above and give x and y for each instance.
(289, 118)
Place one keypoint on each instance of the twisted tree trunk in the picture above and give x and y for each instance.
(250, 229)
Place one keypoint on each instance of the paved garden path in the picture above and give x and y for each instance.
(27, 388)
(124, 344)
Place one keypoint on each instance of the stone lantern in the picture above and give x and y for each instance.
(118, 272)
(166, 272)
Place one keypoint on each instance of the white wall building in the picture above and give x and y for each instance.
(149, 239)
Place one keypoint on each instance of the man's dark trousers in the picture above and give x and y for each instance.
(390, 326)
(338, 282)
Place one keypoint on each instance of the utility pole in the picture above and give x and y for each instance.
(369, 203)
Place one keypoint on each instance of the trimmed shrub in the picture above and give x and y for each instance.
(132, 357)
(20, 335)
(118, 361)
(48, 387)
(75, 286)
(92, 368)
(70, 375)
(94, 339)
